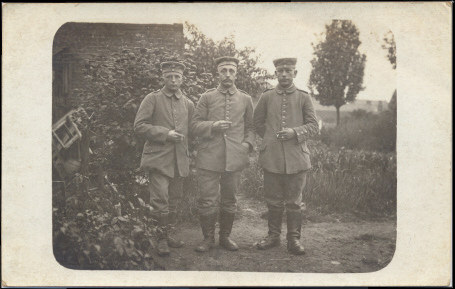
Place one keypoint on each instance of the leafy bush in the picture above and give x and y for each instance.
(363, 131)
(94, 231)
(343, 181)
(352, 181)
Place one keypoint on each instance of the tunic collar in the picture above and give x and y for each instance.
(290, 89)
(223, 90)
(168, 93)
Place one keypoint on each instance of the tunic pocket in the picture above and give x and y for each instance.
(153, 147)
(305, 149)
(237, 155)
(262, 147)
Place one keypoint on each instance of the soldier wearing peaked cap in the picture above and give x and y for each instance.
(223, 118)
(163, 120)
(285, 119)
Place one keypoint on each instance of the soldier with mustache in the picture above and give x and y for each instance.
(223, 118)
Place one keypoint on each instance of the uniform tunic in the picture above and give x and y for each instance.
(285, 108)
(160, 112)
(223, 151)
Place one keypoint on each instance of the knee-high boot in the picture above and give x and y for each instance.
(294, 224)
(208, 230)
(162, 247)
(275, 217)
(226, 222)
(173, 242)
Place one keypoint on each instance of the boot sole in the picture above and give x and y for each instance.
(230, 249)
(268, 247)
(202, 251)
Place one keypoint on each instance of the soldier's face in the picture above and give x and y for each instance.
(227, 75)
(172, 80)
(285, 75)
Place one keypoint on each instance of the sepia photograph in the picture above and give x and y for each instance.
(226, 144)
(177, 147)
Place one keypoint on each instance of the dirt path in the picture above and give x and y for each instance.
(333, 245)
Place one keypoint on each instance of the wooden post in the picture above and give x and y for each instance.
(85, 156)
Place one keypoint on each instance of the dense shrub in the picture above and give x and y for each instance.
(363, 131)
(342, 181)
(352, 181)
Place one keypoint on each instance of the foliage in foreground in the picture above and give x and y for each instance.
(363, 130)
(341, 181)
(105, 230)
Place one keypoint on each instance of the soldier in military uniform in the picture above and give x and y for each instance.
(163, 120)
(224, 120)
(285, 118)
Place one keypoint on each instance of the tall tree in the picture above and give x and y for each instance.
(391, 47)
(338, 66)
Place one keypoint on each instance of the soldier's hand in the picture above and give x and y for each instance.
(221, 125)
(285, 134)
(174, 136)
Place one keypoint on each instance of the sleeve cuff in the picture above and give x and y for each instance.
(300, 134)
(163, 135)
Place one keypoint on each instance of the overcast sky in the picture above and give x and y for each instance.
(287, 31)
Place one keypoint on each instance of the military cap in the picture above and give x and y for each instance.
(286, 62)
(226, 60)
(171, 66)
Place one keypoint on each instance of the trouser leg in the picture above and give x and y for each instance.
(175, 195)
(208, 191)
(158, 188)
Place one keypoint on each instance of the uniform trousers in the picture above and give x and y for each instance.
(284, 190)
(165, 192)
(214, 187)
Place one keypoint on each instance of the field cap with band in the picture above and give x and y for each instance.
(172, 66)
(285, 62)
(226, 60)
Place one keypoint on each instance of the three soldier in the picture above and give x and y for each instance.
(223, 118)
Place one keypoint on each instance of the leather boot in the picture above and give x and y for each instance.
(275, 217)
(294, 222)
(226, 222)
(208, 230)
(173, 242)
(162, 247)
